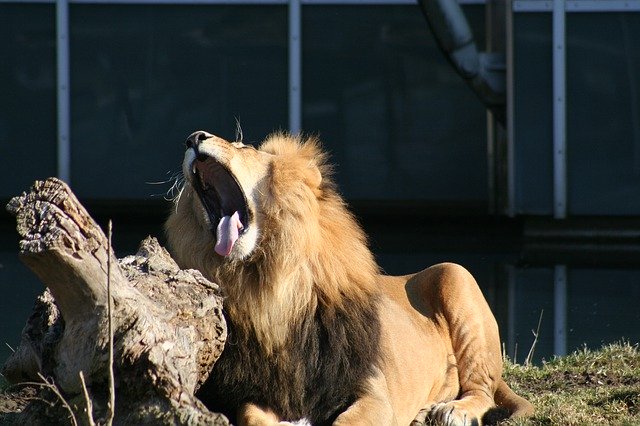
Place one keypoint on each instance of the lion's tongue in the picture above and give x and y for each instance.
(227, 233)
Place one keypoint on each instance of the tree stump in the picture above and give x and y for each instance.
(167, 323)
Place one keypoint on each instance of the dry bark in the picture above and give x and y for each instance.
(168, 324)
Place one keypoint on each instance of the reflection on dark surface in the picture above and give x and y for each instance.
(600, 298)
(582, 292)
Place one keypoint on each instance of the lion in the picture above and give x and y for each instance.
(316, 332)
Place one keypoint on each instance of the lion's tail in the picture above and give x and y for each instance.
(517, 406)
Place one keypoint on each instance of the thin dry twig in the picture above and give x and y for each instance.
(112, 391)
(52, 386)
(87, 400)
(529, 358)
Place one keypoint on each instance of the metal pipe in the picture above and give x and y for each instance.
(495, 24)
(510, 115)
(63, 105)
(560, 310)
(511, 311)
(589, 6)
(295, 67)
(484, 72)
(559, 111)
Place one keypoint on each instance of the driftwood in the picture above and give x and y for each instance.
(167, 323)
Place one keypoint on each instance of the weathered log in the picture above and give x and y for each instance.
(167, 323)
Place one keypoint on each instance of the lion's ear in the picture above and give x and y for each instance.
(312, 176)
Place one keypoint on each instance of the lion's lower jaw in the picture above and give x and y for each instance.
(245, 245)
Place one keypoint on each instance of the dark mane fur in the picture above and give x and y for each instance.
(302, 305)
(316, 375)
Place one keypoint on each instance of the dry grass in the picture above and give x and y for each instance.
(585, 388)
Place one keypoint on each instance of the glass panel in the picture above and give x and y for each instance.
(533, 121)
(603, 113)
(141, 87)
(532, 296)
(398, 120)
(28, 93)
(603, 307)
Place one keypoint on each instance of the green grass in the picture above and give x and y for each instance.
(585, 388)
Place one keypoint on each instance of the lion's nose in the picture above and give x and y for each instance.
(195, 139)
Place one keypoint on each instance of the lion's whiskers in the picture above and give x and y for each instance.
(174, 191)
(239, 135)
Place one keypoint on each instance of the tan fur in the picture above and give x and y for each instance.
(440, 346)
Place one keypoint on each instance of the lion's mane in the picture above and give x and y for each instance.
(301, 310)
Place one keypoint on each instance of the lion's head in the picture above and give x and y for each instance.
(268, 225)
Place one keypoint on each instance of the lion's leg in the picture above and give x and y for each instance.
(253, 415)
(517, 405)
(372, 409)
(460, 308)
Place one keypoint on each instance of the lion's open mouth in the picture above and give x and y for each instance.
(224, 201)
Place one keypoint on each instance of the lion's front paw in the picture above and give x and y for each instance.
(451, 414)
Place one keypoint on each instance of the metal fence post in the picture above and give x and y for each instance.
(559, 111)
(295, 67)
(62, 94)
